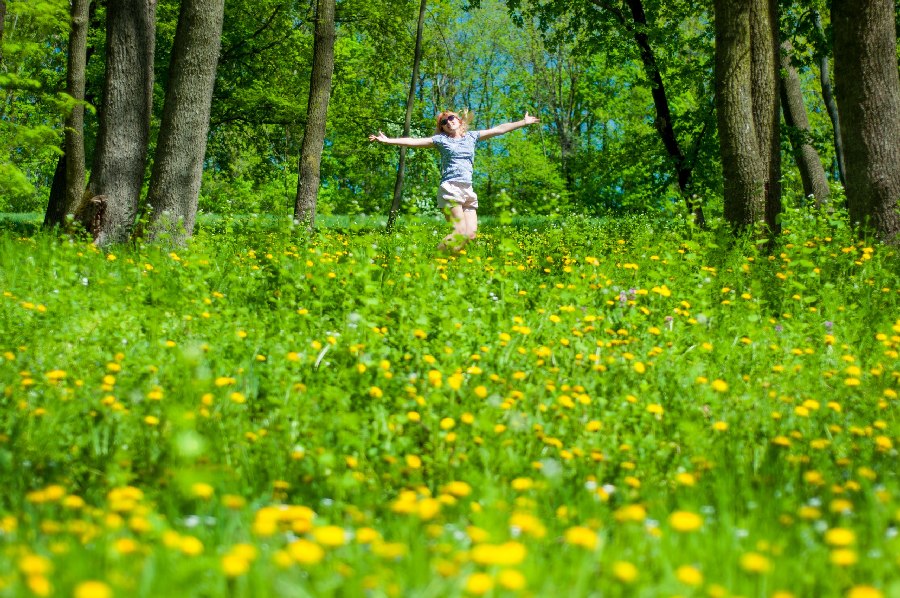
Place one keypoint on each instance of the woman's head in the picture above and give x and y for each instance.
(446, 117)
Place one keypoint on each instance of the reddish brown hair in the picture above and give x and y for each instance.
(463, 120)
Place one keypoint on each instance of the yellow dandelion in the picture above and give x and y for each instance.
(92, 589)
(689, 575)
(753, 562)
(839, 536)
(34, 564)
(305, 552)
(634, 513)
(40, 585)
(511, 579)
(479, 584)
(202, 490)
(685, 479)
(843, 557)
(685, 521)
(428, 508)
(864, 592)
(624, 571)
(458, 489)
(191, 546)
(508, 553)
(234, 565)
(581, 536)
(522, 484)
(719, 385)
(330, 535)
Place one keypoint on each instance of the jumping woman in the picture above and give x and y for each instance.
(456, 198)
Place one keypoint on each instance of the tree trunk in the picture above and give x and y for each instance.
(811, 171)
(868, 94)
(410, 102)
(77, 62)
(316, 114)
(743, 168)
(56, 204)
(121, 153)
(2, 25)
(663, 121)
(178, 165)
(831, 106)
(765, 51)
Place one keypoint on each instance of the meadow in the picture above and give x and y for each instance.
(571, 407)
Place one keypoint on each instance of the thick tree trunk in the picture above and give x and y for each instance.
(831, 106)
(77, 61)
(765, 83)
(410, 102)
(121, 153)
(316, 114)
(812, 173)
(868, 94)
(743, 168)
(178, 165)
(663, 121)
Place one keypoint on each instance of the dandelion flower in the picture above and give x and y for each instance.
(234, 565)
(624, 571)
(479, 584)
(839, 536)
(329, 535)
(753, 562)
(689, 575)
(511, 579)
(685, 521)
(305, 552)
(92, 589)
(581, 536)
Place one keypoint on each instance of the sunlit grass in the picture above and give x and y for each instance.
(612, 407)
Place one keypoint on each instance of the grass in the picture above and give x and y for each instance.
(596, 407)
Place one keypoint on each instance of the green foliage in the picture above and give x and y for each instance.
(32, 73)
(627, 402)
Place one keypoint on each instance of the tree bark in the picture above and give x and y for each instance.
(765, 82)
(56, 204)
(812, 173)
(121, 153)
(316, 114)
(410, 102)
(663, 121)
(178, 165)
(831, 106)
(743, 168)
(77, 62)
(868, 94)
(2, 25)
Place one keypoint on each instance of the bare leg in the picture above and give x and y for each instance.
(459, 237)
(471, 220)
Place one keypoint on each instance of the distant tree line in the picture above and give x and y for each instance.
(139, 113)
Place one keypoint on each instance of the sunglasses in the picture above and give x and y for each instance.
(447, 119)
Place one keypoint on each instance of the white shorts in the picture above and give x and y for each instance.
(453, 193)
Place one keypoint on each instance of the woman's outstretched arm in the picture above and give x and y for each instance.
(405, 141)
(507, 127)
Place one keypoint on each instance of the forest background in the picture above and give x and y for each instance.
(575, 64)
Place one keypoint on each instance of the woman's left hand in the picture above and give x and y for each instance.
(530, 120)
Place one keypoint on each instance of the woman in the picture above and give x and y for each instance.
(456, 198)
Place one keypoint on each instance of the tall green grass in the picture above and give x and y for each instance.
(618, 407)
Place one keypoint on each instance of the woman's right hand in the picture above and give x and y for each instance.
(381, 137)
